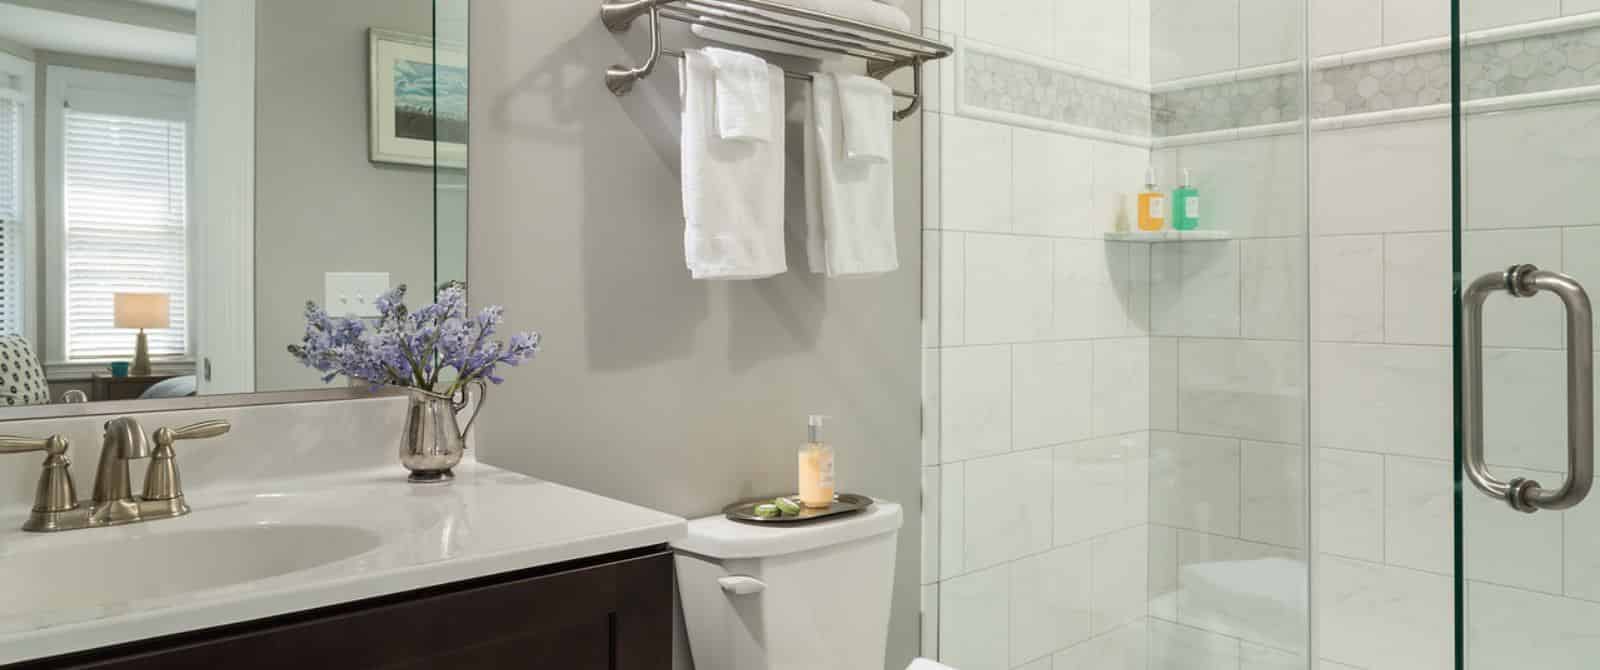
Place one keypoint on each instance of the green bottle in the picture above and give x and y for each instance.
(1186, 204)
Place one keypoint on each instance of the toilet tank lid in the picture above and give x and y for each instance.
(721, 538)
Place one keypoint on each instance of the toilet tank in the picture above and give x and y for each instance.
(789, 597)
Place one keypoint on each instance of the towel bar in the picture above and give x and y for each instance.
(884, 49)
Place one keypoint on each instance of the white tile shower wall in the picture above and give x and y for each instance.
(1037, 479)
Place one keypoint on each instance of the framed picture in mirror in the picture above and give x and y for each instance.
(419, 100)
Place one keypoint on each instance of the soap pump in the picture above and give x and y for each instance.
(1152, 204)
(1186, 204)
(816, 467)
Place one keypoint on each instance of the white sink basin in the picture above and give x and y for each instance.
(260, 549)
(42, 583)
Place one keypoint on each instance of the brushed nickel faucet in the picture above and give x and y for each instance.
(55, 503)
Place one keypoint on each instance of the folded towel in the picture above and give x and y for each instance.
(743, 94)
(868, 11)
(852, 229)
(732, 190)
(925, 664)
(867, 112)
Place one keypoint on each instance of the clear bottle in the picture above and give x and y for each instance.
(816, 467)
(1186, 204)
(1152, 204)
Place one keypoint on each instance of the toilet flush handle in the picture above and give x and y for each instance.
(740, 585)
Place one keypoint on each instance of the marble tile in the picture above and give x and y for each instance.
(1509, 628)
(1023, 25)
(1162, 580)
(1050, 391)
(1412, 20)
(1581, 551)
(1194, 482)
(1007, 506)
(1119, 172)
(1190, 37)
(1194, 289)
(1523, 425)
(1527, 166)
(1255, 592)
(1242, 185)
(977, 189)
(1273, 493)
(1355, 173)
(1479, 14)
(975, 407)
(1119, 567)
(1350, 504)
(1418, 522)
(1383, 398)
(1175, 646)
(1418, 290)
(952, 519)
(1028, 88)
(1250, 389)
(1338, 26)
(975, 620)
(1053, 184)
(1269, 31)
(1348, 288)
(1099, 289)
(1094, 35)
(952, 282)
(1382, 617)
(931, 379)
(1008, 288)
(1121, 386)
(1272, 304)
(1101, 485)
(1121, 649)
(1164, 384)
(1051, 596)
(930, 621)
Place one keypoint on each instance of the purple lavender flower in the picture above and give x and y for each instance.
(413, 349)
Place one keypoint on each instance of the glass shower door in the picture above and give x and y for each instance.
(1525, 242)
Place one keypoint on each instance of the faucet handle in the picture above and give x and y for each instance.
(55, 494)
(194, 431)
(162, 485)
(55, 445)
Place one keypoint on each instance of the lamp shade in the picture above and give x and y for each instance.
(141, 310)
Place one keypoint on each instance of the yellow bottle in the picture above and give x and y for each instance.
(1152, 204)
(816, 467)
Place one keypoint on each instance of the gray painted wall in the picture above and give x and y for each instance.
(653, 388)
(320, 205)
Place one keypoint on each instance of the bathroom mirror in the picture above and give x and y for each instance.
(197, 170)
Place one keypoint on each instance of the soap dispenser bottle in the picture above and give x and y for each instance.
(1186, 204)
(1152, 204)
(816, 467)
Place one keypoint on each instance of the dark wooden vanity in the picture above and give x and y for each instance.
(611, 612)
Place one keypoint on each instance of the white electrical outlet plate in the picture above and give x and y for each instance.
(353, 293)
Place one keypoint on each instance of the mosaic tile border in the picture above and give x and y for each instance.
(1531, 64)
(1015, 86)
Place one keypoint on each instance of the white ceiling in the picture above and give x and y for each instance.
(71, 33)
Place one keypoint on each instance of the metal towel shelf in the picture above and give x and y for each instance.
(884, 49)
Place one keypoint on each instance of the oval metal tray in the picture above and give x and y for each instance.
(843, 503)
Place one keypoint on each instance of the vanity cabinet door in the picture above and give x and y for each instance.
(612, 616)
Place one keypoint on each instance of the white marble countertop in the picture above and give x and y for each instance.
(330, 539)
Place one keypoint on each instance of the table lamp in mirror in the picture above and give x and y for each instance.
(141, 310)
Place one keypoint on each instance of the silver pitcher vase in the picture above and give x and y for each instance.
(433, 441)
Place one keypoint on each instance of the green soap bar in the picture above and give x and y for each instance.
(789, 507)
(767, 511)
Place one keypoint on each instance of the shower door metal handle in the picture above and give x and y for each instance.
(1526, 495)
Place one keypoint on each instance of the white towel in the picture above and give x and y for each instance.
(850, 217)
(743, 94)
(867, 108)
(925, 664)
(868, 11)
(732, 190)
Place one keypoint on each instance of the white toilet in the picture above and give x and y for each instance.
(789, 597)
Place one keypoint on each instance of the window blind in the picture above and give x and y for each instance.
(125, 216)
(11, 255)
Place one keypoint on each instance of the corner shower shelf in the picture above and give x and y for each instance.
(1170, 236)
(885, 50)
